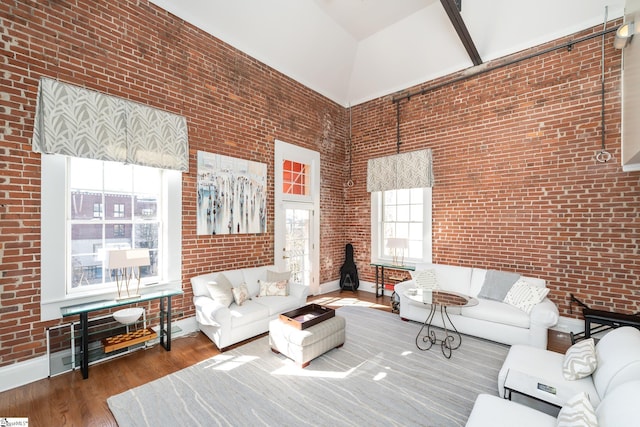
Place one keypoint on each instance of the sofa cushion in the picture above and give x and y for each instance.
(234, 276)
(525, 296)
(497, 284)
(221, 292)
(577, 412)
(251, 276)
(277, 305)
(199, 284)
(616, 367)
(276, 276)
(493, 411)
(453, 278)
(477, 280)
(580, 360)
(247, 313)
(498, 312)
(620, 406)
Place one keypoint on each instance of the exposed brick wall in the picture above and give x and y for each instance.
(517, 186)
(235, 106)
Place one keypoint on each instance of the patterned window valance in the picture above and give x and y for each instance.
(78, 122)
(400, 171)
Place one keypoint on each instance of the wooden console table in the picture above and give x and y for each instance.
(83, 311)
(380, 266)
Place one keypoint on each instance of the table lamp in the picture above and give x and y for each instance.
(127, 263)
(394, 244)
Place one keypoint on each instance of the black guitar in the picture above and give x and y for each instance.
(349, 272)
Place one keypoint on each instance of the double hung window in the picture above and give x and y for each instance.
(401, 214)
(133, 218)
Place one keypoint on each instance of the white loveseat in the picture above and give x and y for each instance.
(490, 319)
(229, 324)
(613, 387)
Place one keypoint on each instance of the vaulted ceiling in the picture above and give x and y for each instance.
(352, 51)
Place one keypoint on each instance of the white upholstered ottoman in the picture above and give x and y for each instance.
(304, 345)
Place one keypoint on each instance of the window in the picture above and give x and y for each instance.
(118, 230)
(401, 214)
(294, 178)
(123, 187)
(74, 238)
(118, 210)
(97, 210)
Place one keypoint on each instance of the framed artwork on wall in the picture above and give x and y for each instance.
(232, 196)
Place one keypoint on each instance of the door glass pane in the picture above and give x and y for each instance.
(86, 262)
(297, 249)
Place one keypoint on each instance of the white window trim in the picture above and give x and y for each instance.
(376, 212)
(54, 200)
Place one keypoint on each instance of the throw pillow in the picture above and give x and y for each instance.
(268, 289)
(497, 284)
(577, 412)
(240, 294)
(525, 296)
(221, 292)
(580, 360)
(277, 276)
(223, 280)
(425, 279)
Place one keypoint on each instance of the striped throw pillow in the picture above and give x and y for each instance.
(577, 412)
(525, 296)
(580, 360)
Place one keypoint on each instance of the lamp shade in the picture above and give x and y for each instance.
(124, 258)
(397, 243)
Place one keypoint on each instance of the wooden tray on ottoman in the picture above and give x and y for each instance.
(307, 316)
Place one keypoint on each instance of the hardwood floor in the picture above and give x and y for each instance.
(68, 400)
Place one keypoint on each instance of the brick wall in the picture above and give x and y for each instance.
(235, 106)
(517, 186)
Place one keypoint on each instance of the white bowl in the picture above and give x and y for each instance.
(128, 316)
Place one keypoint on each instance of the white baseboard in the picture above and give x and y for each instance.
(36, 369)
(569, 324)
(22, 373)
(363, 286)
(327, 287)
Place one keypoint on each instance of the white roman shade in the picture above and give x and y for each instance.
(78, 122)
(399, 171)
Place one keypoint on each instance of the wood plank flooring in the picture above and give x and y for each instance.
(68, 400)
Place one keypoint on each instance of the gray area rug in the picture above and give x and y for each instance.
(378, 378)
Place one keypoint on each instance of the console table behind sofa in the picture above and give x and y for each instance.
(83, 311)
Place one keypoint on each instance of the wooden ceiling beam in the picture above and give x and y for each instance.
(453, 7)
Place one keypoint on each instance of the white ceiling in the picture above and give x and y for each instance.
(352, 51)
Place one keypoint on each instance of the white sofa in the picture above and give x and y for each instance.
(617, 357)
(613, 387)
(619, 408)
(489, 319)
(228, 325)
